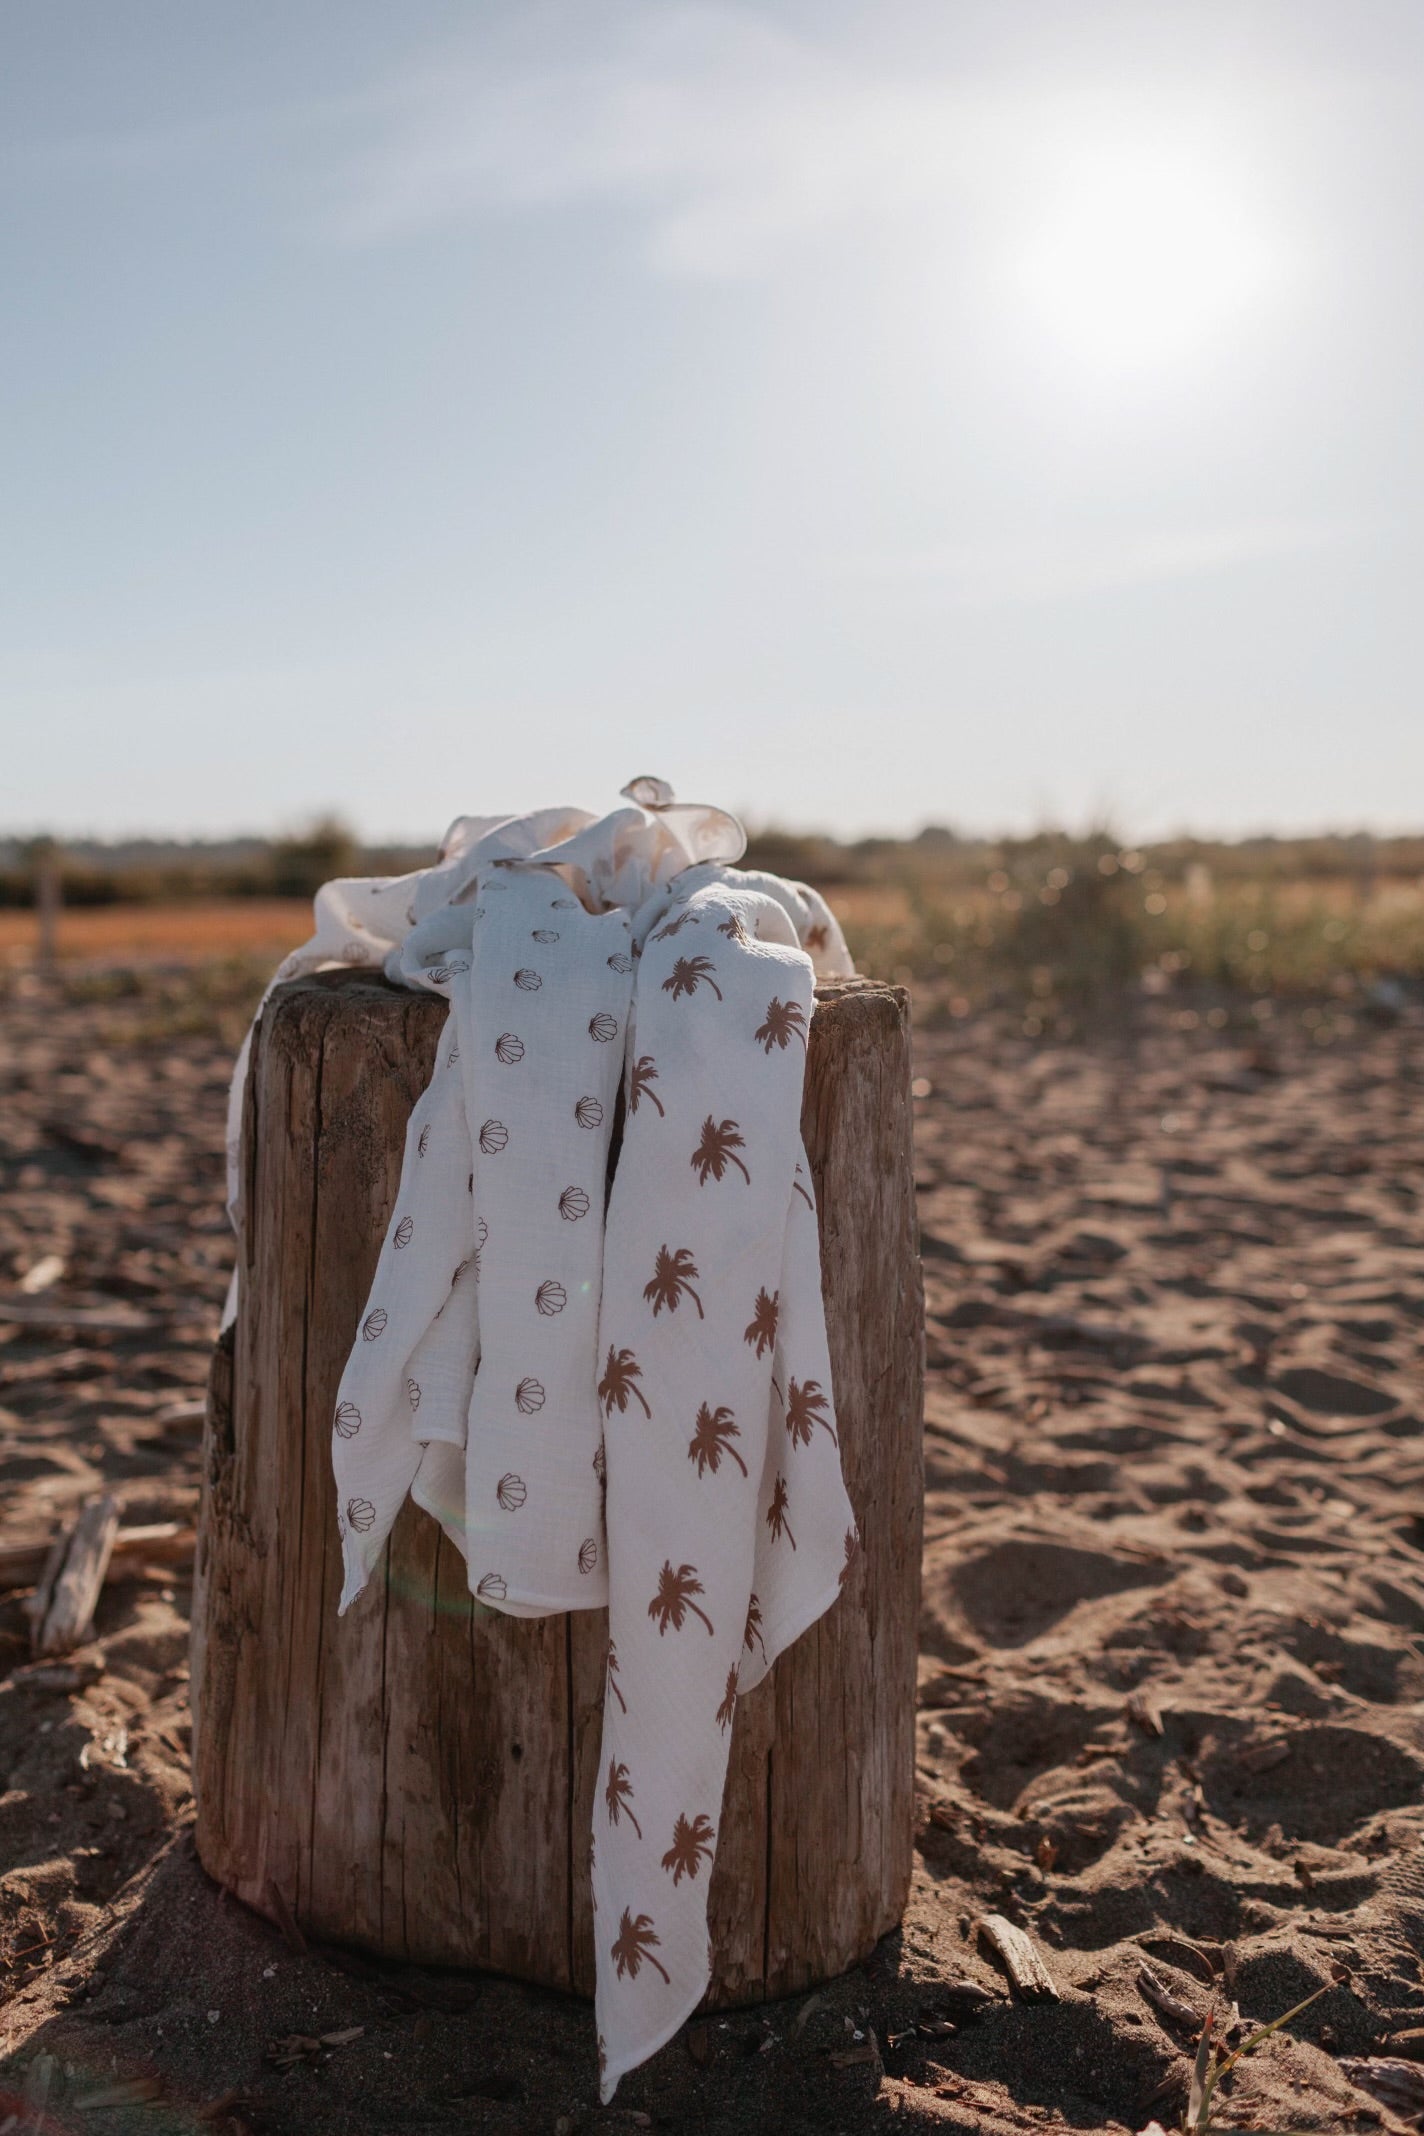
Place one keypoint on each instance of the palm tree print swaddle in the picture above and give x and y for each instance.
(625, 1405)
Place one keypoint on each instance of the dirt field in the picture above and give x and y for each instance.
(1173, 1649)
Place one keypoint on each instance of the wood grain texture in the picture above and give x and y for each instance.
(418, 1777)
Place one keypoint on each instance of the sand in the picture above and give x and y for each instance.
(1172, 1671)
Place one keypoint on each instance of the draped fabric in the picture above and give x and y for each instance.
(608, 1395)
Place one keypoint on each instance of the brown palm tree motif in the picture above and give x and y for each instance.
(691, 1846)
(633, 1945)
(729, 1699)
(688, 974)
(776, 1513)
(818, 936)
(761, 1330)
(734, 926)
(672, 1273)
(619, 1796)
(715, 1427)
(852, 1552)
(785, 1020)
(674, 1598)
(717, 1149)
(620, 1375)
(675, 927)
(640, 1084)
(752, 1635)
(805, 1409)
(613, 1676)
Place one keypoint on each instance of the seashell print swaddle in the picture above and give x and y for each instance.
(619, 1395)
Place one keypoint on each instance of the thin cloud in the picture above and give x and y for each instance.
(730, 136)
(1011, 574)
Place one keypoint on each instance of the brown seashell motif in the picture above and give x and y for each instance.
(412, 1393)
(551, 1298)
(439, 974)
(620, 963)
(508, 1048)
(424, 1143)
(374, 1324)
(546, 934)
(348, 1420)
(404, 1233)
(603, 1027)
(528, 982)
(588, 1112)
(511, 1491)
(494, 1136)
(564, 904)
(588, 1555)
(361, 1514)
(481, 1234)
(492, 1587)
(600, 1462)
(573, 1204)
(452, 1056)
(529, 1397)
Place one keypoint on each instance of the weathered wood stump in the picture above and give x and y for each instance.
(418, 1777)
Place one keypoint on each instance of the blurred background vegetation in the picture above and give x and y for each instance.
(1052, 929)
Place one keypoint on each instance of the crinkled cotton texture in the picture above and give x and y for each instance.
(608, 1396)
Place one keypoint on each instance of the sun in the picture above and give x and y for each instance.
(1144, 257)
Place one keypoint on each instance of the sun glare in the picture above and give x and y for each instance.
(1144, 259)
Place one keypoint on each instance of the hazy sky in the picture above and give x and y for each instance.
(973, 410)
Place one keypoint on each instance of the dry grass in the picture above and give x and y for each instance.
(209, 927)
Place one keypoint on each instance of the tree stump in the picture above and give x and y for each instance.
(418, 1777)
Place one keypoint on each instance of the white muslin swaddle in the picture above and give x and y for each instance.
(617, 1395)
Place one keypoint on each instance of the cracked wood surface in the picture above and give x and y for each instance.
(417, 1778)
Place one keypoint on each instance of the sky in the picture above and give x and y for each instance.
(984, 412)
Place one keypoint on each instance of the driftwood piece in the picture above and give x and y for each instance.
(62, 1606)
(167, 1543)
(1018, 1955)
(418, 1777)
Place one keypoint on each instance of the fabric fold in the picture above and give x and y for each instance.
(608, 1380)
